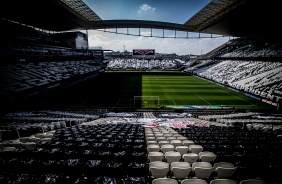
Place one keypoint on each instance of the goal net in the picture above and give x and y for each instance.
(146, 101)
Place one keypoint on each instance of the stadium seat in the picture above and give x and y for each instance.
(163, 143)
(207, 156)
(172, 156)
(176, 143)
(187, 142)
(202, 170)
(224, 169)
(193, 181)
(222, 181)
(167, 147)
(158, 171)
(195, 148)
(182, 150)
(155, 156)
(252, 181)
(180, 170)
(164, 181)
(190, 157)
(153, 148)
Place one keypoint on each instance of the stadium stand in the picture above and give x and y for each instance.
(246, 64)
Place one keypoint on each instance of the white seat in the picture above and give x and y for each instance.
(207, 156)
(195, 148)
(158, 164)
(202, 173)
(155, 128)
(150, 138)
(180, 170)
(153, 147)
(25, 139)
(8, 148)
(163, 143)
(182, 138)
(176, 134)
(29, 145)
(39, 135)
(155, 156)
(224, 169)
(206, 153)
(166, 135)
(63, 124)
(252, 181)
(164, 181)
(51, 127)
(159, 171)
(187, 142)
(176, 143)
(48, 135)
(152, 142)
(201, 164)
(182, 149)
(190, 157)
(180, 164)
(171, 130)
(164, 131)
(57, 125)
(193, 181)
(16, 144)
(222, 181)
(170, 138)
(158, 139)
(172, 156)
(159, 135)
(150, 135)
(167, 147)
(202, 170)
(35, 139)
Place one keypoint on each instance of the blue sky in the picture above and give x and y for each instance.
(175, 11)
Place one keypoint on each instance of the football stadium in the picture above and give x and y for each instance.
(73, 114)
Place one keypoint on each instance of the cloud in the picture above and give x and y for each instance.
(98, 39)
(146, 8)
(145, 33)
(146, 11)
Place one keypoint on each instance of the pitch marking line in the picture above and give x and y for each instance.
(226, 92)
(202, 98)
(236, 97)
(242, 105)
(173, 101)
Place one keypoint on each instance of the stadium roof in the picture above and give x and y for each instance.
(211, 11)
(236, 18)
(52, 15)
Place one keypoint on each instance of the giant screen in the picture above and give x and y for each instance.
(143, 52)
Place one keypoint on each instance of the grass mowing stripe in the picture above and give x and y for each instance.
(202, 98)
(187, 88)
(183, 90)
(224, 91)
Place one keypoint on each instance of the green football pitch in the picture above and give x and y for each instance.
(192, 91)
(153, 90)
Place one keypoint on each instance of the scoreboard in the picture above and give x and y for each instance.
(143, 52)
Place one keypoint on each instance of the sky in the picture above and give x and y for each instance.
(174, 11)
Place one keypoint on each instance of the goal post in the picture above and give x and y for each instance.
(146, 100)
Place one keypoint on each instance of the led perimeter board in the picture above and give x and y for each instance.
(142, 52)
